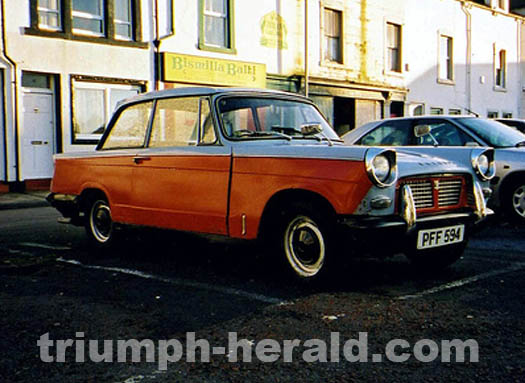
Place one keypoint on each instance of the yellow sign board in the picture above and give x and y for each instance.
(211, 71)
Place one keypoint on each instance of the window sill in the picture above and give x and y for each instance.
(332, 64)
(499, 89)
(444, 81)
(83, 38)
(212, 48)
(394, 74)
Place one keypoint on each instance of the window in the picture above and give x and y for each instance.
(49, 14)
(216, 25)
(332, 35)
(122, 19)
(436, 111)
(88, 16)
(393, 32)
(443, 133)
(492, 114)
(446, 64)
(392, 133)
(177, 123)
(93, 104)
(454, 112)
(506, 114)
(500, 72)
(130, 128)
(104, 21)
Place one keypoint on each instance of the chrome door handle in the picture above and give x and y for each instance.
(139, 160)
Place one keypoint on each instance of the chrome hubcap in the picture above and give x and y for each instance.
(304, 247)
(100, 221)
(518, 201)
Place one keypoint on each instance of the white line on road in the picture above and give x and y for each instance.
(179, 282)
(465, 281)
(44, 246)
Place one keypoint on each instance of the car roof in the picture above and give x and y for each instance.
(205, 91)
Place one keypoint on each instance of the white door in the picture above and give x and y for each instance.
(38, 136)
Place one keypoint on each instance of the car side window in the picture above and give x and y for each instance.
(129, 130)
(391, 133)
(176, 123)
(445, 134)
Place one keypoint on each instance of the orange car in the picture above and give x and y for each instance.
(265, 164)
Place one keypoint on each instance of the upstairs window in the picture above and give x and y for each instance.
(216, 25)
(88, 17)
(393, 32)
(123, 19)
(49, 16)
(500, 69)
(446, 63)
(332, 35)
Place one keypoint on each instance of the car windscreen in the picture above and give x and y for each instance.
(494, 133)
(264, 117)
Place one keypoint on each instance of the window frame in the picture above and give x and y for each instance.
(230, 24)
(58, 12)
(398, 48)
(324, 51)
(446, 62)
(67, 32)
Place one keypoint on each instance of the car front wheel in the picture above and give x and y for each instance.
(515, 202)
(99, 225)
(304, 243)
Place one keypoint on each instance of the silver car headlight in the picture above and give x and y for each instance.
(483, 163)
(381, 166)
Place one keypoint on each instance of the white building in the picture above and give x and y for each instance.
(64, 64)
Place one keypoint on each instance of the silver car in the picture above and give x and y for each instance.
(451, 135)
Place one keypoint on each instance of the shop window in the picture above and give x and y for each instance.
(393, 47)
(49, 14)
(332, 32)
(88, 20)
(93, 104)
(446, 63)
(216, 25)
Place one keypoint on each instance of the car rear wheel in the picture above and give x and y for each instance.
(99, 225)
(304, 242)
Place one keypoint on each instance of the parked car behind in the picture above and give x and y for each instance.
(263, 164)
(516, 123)
(453, 133)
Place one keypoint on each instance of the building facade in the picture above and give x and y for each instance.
(64, 64)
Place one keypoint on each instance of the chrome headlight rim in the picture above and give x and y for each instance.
(371, 157)
(483, 163)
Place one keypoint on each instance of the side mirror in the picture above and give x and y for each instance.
(311, 129)
(421, 130)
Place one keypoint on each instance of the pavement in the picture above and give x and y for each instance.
(31, 198)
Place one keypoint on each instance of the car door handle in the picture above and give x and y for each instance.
(139, 160)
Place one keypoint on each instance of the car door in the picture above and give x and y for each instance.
(181, 179)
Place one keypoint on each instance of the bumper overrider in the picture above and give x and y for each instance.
(68, 205)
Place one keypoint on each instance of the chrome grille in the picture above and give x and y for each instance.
(449, 192)
(435, 192)
(422, 192)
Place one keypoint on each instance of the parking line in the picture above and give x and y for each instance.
(462, 282)
(179, 282)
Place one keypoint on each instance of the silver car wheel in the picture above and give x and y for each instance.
(518, 201)
(100, 223)
(304, 246)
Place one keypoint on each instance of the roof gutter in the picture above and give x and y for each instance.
(13, 88)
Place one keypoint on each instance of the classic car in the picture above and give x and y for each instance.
(452, 135)
(261, 164)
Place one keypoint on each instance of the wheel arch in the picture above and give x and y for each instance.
(508, 181)
(283, 199)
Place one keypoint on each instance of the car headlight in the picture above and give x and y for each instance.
(381, 166)
(483, 163)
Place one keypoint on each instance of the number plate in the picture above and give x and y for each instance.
(442, 236)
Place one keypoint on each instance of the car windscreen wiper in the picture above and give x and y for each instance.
(292, 131)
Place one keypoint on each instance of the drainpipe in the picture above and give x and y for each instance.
(468, 67)
(306, 66)
(519, 24)
(13, 88)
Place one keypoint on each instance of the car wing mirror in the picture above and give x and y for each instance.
(421, 130)
(471, 144)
